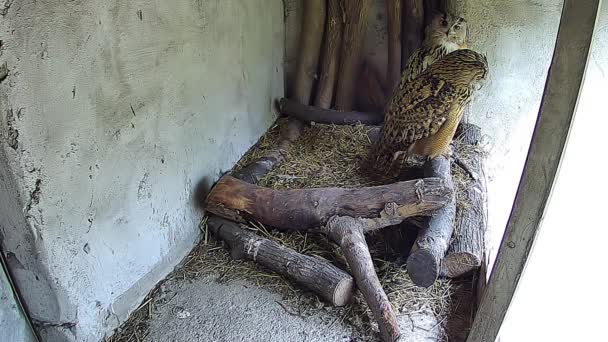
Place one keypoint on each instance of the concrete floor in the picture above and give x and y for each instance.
(206, 310)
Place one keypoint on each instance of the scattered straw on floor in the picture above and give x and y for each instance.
(325, 155)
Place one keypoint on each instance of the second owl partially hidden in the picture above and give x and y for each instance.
(422, 115)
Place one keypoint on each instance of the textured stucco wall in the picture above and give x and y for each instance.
(561, 296)
(112, 112)
(518, 38)
(13, 322)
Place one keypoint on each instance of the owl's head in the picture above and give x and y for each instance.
(463, 67)
(447, 30)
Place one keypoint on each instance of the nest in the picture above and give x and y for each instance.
(325, 155)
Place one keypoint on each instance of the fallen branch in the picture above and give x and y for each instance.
(257, 169)
(432, 243)
(306, 113)
(349, 232)
(302, 209)
(313, 273)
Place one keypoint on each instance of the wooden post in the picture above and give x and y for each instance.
(431, 8)
(393, 72)
(433, 240)
(314, 273)
(557, 110)
(356, 12)
(413, 28)
(331, 54)
(373, 86)
(310, 45)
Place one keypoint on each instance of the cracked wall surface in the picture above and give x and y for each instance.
(110, 114)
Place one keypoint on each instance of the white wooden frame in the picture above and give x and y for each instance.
(557, 109)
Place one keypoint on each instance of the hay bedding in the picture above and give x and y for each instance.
(325, 155)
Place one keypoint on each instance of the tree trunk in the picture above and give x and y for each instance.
(413, 28)
(467, 247)
(356, 12)
(331, 54)
(313, 114)
(302, 209)
(373, 87)
(313, 273)
(348, 232)
(393, 72)
(310, 45)
(431, 8)
(425, 260)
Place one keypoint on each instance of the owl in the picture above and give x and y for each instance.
(445, 33)
(421, 118)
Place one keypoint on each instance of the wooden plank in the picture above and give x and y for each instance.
(557, 109)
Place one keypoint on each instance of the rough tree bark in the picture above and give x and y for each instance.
(313, 114)
(310, 45)
(413, 28)
(467, 247)
(356, 12)
(313, 273)
(304, 209)
(431, 8)
(331, 54)
(257, 169)
(393, 72)
(349, 232)
(433, 240)
(373, 86)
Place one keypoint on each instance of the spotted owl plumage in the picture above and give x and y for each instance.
(422, 116)
(445, 33)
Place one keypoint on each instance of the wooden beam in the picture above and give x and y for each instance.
(557, 110)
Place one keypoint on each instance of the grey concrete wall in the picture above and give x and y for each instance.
(13, 322)
(518, 38)
(112, 111)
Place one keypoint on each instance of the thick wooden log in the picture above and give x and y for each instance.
(393, 72)
(303, 209)
(310, 45)
(331, 54)
(356, 12)
(313, 273)
(432, 243)
(373, 86)
(466, 249)
(349, 232)
(413, 28)
(306, 113)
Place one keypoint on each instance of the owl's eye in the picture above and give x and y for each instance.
(444, 23)
(457, 27)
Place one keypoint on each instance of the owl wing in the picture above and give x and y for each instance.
(417, 111)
